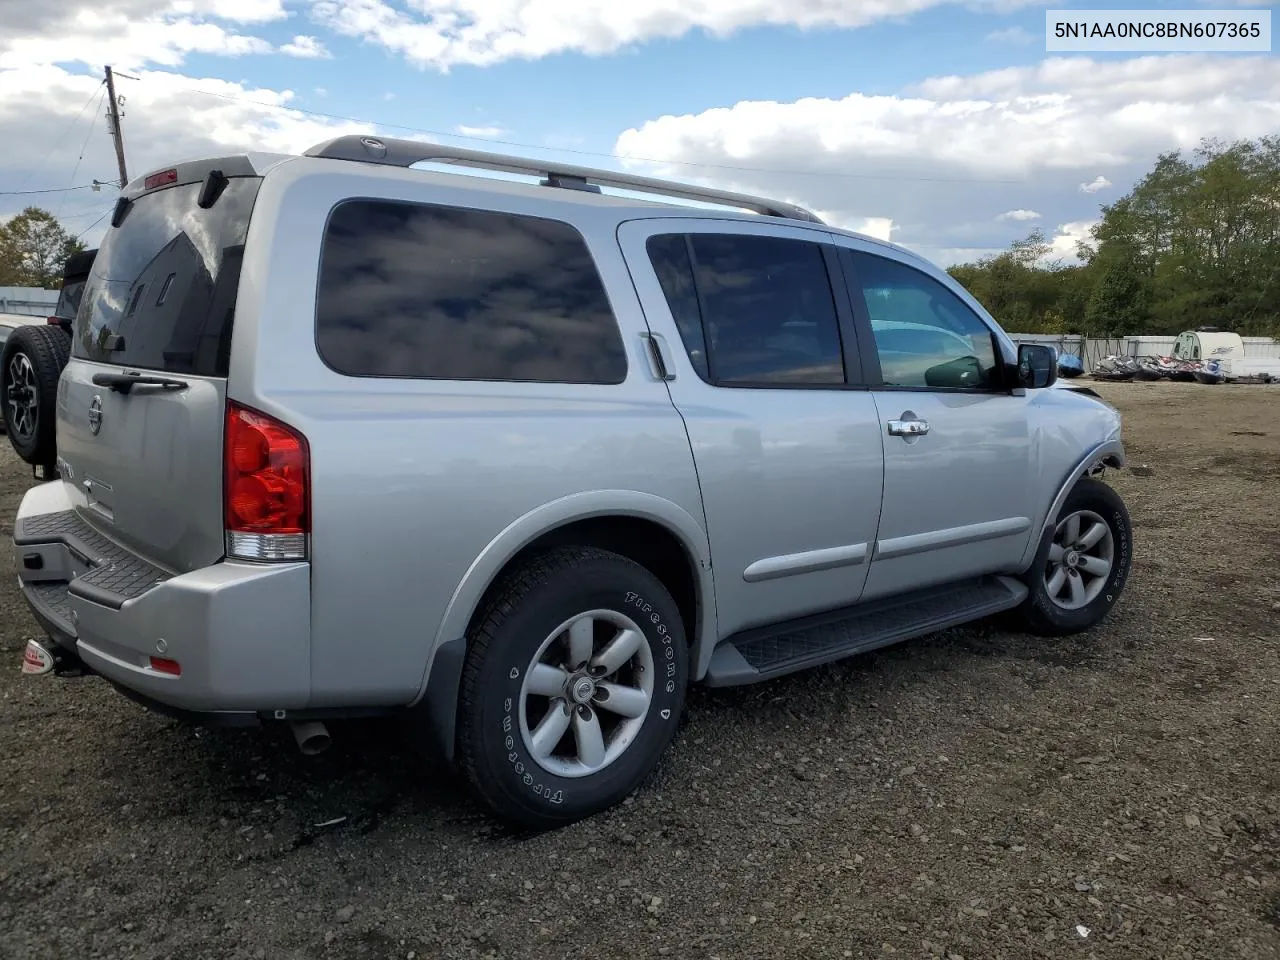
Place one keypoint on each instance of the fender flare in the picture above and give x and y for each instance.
(1108, 453)
(437, 695)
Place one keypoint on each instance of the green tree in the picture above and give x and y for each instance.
(1196, 242)
(33, 249)
(1117, 305)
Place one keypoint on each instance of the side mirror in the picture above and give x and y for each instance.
(1037, 366)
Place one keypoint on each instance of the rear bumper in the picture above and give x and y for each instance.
(239, 631)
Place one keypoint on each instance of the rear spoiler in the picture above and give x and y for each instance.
(213, 172)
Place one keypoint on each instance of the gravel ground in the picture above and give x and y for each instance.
(978, 794)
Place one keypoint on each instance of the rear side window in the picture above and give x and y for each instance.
(761, 307)
(434, 292)
(166, 237)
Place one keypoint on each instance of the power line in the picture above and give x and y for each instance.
(95, 223)
(65, 131)
(28, 193)
(84, 215)
(84, 146)
(596, 153)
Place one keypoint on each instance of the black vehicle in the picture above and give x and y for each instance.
(74, 277)
(30, 365)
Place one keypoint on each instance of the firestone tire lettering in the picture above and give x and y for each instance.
(526, 607)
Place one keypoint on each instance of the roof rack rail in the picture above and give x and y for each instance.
(405, 153)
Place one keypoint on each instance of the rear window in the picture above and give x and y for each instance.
(162, 291)
(433, 292)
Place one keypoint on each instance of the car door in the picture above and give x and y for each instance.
(756, 340)
(957, 450)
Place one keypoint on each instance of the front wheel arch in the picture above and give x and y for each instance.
(1039, 613)
(1109, 453)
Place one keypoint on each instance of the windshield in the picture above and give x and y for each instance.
(161, 294)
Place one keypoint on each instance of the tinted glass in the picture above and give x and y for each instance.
(166, 235)
(925, 335)
(768, 312)
(410, 290)
(69, 299)
(669, 254)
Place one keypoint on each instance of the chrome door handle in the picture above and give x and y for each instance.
(659, 361)
(908, 428)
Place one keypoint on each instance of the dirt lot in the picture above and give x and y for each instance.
(978, 794)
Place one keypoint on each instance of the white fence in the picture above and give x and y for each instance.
(28, 301)
(1092, 349)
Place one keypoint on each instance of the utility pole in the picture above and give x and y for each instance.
(113, 109)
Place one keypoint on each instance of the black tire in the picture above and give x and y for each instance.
(1040, 614)
(526, 608)
(45, 349)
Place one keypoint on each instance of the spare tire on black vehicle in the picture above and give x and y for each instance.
(30, 366)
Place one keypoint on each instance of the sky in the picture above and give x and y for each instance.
(942, 125)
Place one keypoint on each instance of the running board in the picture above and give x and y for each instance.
(767, 652)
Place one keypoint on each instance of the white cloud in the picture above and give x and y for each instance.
(950, 256)
(167, 120)
(938, 158)
(1015, 35)
(444, 33)
(1067, 236)
(879, 227)
(484, 133)
(1097, 183)
(130, 33)
(1019, 215)
(306, 48)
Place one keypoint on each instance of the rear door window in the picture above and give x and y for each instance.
(752, 310)
(436, 292)
(168, 244)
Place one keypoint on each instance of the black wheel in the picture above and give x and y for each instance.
(572, 689)
(30, 366)
(1081, 570)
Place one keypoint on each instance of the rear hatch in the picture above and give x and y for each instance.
(145, 458)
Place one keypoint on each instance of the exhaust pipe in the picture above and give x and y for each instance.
(312, 736)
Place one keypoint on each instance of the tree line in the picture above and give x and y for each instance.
(33, 249)
(1195, 243)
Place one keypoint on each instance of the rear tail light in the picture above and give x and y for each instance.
(164, 665)
(266, 487)
(52, 320)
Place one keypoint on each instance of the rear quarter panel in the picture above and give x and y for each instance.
(413, 480)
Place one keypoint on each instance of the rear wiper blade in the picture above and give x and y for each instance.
(124, 382)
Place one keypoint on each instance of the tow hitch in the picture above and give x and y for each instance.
(41, 658)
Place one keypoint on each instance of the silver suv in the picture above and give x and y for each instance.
(520, 461)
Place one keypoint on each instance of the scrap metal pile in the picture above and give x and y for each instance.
(1116, 367)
